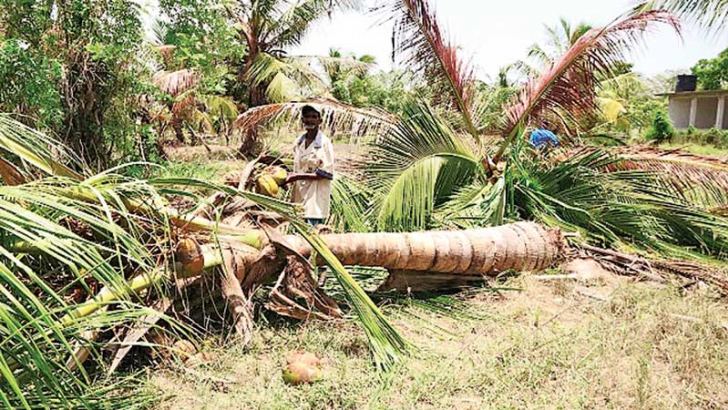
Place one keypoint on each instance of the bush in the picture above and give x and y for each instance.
(661, 129)
(715, 137)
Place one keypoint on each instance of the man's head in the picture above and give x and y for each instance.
(311, 118)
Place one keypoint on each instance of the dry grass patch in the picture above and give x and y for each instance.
(547, 346)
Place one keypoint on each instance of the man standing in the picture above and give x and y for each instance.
(313, 169)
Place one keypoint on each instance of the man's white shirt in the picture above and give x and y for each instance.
(314, 195)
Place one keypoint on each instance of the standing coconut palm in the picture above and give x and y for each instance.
(561, 37)
(189, 105)
(268, 28)
(191, 88)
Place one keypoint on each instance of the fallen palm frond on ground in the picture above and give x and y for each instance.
(697, 180)
(657, 269)
(82, 257)
(672, 154)
(687, 170)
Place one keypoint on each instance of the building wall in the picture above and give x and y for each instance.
(679, 110)
(707, 108)
(705, 116)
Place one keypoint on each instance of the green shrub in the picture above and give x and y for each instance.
(661, 129)
(712, 137)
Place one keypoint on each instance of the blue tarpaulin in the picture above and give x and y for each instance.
(542, 138)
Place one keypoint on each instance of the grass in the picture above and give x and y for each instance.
(631, 346)
(698, 149)
(206, 171)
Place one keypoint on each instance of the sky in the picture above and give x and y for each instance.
(496, 33)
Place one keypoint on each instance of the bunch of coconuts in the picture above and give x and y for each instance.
(269, 180)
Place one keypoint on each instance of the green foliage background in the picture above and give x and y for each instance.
(713, 72)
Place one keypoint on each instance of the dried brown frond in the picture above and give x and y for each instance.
(175, 82)
(720, 211)
(633, 265)
(675, 154)
(184, 105)
(167, 52)
(335, 115)
(421, 44)
(10, 174)
(295, 288)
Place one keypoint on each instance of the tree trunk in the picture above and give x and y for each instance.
(523, 246)
(178, 131)
(241, 306)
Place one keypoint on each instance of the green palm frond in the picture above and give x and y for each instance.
(33, 148)
(264, 68)
(387, 345)
(336, 66)
(201, 121)
(418, 165)
(625, 208)
(281, 89)
(285, 79)
(221, 107)
(45, 266)
(711, 14)
(479, 204)
(349, 205)
(288, 28)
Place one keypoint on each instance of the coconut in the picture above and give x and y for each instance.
(189, 256)
(279, 174)
(302, 367)
(267, 185)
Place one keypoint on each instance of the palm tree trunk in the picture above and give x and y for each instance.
(523, 246)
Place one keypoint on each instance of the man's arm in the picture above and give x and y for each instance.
(299, 176)
(325, 171)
